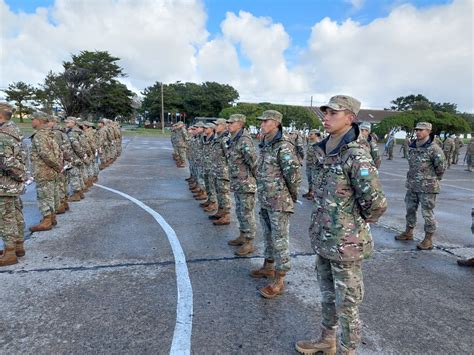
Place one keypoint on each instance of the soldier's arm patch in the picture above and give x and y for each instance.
(364, 172)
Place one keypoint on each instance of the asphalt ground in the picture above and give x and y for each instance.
(104, 280)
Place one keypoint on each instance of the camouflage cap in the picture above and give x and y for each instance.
(210, 125)
(199, 124)
(342, 102)
(71, 119)
(237, 117)
(39, 115)
(220, 121)
(424, 125)
(271, 115)
(180, 123)
(6, 107)
(365, 125)
(314, 131)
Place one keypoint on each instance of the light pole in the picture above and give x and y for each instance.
(162, 111)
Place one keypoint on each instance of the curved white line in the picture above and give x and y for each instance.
(184, 309)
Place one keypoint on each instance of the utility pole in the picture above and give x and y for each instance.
(311, 100)
(162, 111)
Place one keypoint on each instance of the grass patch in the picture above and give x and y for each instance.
(144, 132)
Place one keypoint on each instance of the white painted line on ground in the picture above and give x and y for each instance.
(442, 183)
(184, 309)
(298, 201)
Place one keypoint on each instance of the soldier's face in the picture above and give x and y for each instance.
(220, 128)
(364, 132)
(268, 126)
(69, 124)
(35, 123)
(337, 121)
(234, 127)
(422, 133)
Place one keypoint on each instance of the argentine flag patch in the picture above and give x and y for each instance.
(364, 172)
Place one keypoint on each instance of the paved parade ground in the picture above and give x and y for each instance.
(106, 279)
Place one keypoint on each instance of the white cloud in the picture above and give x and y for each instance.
(356, 4)
(412, 50)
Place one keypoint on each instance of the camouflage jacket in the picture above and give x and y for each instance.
(242, 159)
(298, 145)
(92, 139)
(206, 156)
(181, 137)
(79, 157)
(46, 155)
(278, 174)
(347, 196)
(62, 140)
(448, 145)
(373, 150)
(12, 160)
(310, 156)
(426, 167)
(174, 137)
(103, 141)
(219, 156)
(458, 143)
(470, 148)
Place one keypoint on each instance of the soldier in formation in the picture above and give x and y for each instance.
(427, 164)
(365, 128)
(469, 157)
(347, 197)
(405, 147)
(448, 150)
(207, 139)
(389, 146)
(12, 186)
(313, 138)
(179, 139)
(458, 144)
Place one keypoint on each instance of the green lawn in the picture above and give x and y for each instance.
(144, 132)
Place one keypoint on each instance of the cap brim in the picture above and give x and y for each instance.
(334, 107)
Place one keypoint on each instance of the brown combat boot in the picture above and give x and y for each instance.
(276, 288)
(427, 243)
(81, 194)
(309, 195)
(8, 257)
(201, 196)
(238, 241)
(189, 179)
(44, 225)
(217, 215)
(266, 271)
(19, 248)
(75, 197)
(195, 189)
(467, 262)
(211, 207)
(61, 209)
(223, 221)
(66, 205)
(205, 204)
(246, 248)
(344, 351)
(325, 344)
(181, 165)
(407, 235)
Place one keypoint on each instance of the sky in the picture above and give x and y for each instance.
(281, 51)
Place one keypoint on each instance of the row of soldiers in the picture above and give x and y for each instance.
(64, 162)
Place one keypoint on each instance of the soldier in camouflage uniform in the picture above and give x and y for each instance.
(220, 170)
(199, 189)
(181, 144)
(92, 145)
(112, 154)
(389, 145)
(278, 180)
(103, 144)
(458, 144)
(372, 142)
(12, 185)
(47, 161)
(313, 138)
(296, 138)
(211, 203)
(79, 158)
(61, 184)
(189, 156)
(347, 197)
(242, 159)
(470, 155)
(405, 147)
(427, 165)
(448, 150)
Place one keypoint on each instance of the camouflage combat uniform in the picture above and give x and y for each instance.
(242, 159)
(448, 150)
(220, 171)
(278, 180)
(12, 184)
(389, 146)
(181, 139)
(470, 155)
(46, 158)
(458, 144)
(427, 165)
(206, 159)
(61, 183)
(373, 150)
(310, 167)
(103, 146)
(347, 197)
(406, 144)
(78, 160)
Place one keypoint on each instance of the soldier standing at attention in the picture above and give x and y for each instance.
(374, 149)
(426, 166)
(181, 144)
(347, 197)
(470, 155)
(448, 149)
(242, 159)
(12, 185)
(208, 138)
(200, 189)
(278, 181)
(221, 174)
(78, 159)
(389, 146)
(46, 158)
(458, 144)
(312, 139)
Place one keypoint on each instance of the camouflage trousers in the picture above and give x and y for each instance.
(60, 191)
(12, 224)
(470, 161)
(210, 187)
(75, 179)
(90, 170)
(309, 176)
(390, 152)
(449, 157)
(45, 194)
(245, 211)
(276, 237)
(456, 156)
(342, 290)
(95, 168)
(223, 194)
(405, 152)
(181, 154)
(428, 202)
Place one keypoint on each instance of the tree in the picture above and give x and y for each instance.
(405, 103)
(21, 93)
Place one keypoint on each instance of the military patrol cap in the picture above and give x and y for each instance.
(271, 115)
(6, 107)
(199, 124)
(180, 123)
(365, 125)
(314, 131)
(71, 118)
(220, 121)
(424, 125)
(39, 115)
(342, 102)
(237, 117)
(210, 125)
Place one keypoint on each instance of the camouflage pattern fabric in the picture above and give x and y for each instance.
(373, 150)
(245, 211)
(427, 165)
(389, 147)
(20, 220)
(342, 290)
(448, 150)
(12, 160)
(405, 147)
(209, 181)
(45, 194)
(428, 203)
(75, 179)
(347, 197)
(242, 159)
(278, 174)
(310, 164)
(458, 144)
(220, 170)
(78, 149)
(8, 223)
(470, 156)
(46, 156)
(276, 231)
(298, 145)
(103, 145)
(223, 194)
